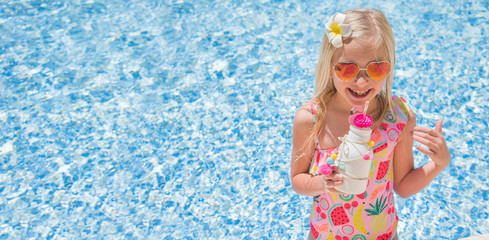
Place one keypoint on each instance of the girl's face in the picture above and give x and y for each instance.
(361, 88)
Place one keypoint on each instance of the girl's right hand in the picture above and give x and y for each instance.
(332, 180)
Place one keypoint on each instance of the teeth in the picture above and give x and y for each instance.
(360, 93)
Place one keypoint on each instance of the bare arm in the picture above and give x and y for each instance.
(302, 154)
(407, 180)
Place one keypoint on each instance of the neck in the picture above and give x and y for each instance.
(338, 105)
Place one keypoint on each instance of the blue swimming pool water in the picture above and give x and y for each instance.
(172, 119)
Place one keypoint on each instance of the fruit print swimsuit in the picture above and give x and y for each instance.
(370, 215)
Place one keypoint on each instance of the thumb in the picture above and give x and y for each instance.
(438, 126)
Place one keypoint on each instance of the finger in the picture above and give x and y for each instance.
(433, 147)
(426, 136)
(329, 184)
(333, 183)
(338, 183)
(437, 131)
(333, 177)
(439, 125)
(425, 141)
(427, 130)
(434, 137)
(425, 151)
(338, 177)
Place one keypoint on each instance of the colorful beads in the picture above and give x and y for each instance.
(325, 169)
(366, 157)
(371, 143)
(330, 161)
(341, 165)
(334, 156)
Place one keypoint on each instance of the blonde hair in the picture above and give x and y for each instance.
(365, 24)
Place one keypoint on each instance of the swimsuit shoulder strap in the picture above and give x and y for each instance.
(313, 111)
(401, 108)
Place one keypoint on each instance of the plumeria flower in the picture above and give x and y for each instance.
(336, 30)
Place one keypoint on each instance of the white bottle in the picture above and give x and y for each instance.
(354, 160)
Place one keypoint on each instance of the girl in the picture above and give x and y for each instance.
(356, 65)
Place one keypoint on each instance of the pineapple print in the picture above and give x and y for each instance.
(379, 219)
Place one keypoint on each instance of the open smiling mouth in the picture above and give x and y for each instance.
(359, 93)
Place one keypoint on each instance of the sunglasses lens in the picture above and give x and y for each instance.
(346, 71)
(378, 70)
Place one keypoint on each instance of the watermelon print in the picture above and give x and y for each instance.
(315, 233)
(383, 146)
(381, 150)
(339, 211)
(337, 215)
(384, 236)
(382, 170)
(401, 126)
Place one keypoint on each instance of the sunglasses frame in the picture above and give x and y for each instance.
(360, 69)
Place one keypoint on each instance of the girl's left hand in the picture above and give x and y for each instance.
(437, 147)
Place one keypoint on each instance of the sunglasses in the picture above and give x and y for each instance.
(347, 71)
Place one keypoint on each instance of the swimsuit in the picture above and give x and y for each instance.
(370, 215)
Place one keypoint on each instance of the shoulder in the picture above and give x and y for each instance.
(303, 130)
(305, 117)
(411, 122)
(305, 114)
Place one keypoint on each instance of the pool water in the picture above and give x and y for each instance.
(147, 119)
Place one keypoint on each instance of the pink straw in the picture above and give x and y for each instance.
(365, 109)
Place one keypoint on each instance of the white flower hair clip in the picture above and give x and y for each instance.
(336, 30)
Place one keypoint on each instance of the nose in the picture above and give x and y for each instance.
(362, 77)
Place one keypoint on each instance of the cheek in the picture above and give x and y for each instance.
(379, 86)
(338, 83)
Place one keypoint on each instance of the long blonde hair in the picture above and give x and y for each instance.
(365, 24)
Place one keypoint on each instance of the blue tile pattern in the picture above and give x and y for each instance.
(146, 119)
